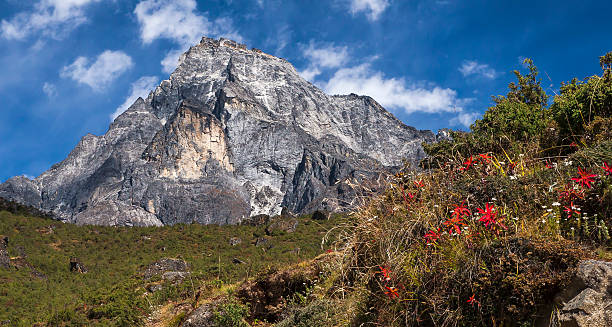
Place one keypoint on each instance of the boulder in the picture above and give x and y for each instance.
(175, 276)
(203, 316)
(588, 300)
(287, 225)
(256, 220)
(163, 265)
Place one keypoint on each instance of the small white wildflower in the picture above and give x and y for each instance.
(502, 162)
(493, 199)
(436, 206)
(572, 228)
(544, 207)
(543, 221)
(513, 177)
(556, 204)
(549, 210)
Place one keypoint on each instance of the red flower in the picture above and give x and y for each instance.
(329, 251)
(391, 292)
(570, 210)
(548, 165)
(454, 224)
(431, 236)
(468, 163)
(419, 184)
(585, 179)
(485, 157)
(569, 193)
(385, 272)
(490, 218)
(461, 211)
(472, 300)
(606, 168)
(410, 195)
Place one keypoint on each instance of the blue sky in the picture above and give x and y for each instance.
(69, 66)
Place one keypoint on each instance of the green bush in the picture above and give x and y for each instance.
(231, 314)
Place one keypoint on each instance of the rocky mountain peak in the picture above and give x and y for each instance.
(232, 133)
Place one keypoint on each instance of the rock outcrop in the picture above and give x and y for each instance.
(232, 133)
(588, 301)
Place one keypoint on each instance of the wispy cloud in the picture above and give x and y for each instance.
(393, 93)
(322, 56)
(53, 18)
(139, 89)
(464, 118)
(372, 8)
(179, 21)
(106, 68)
(472, 67)
(50, 90)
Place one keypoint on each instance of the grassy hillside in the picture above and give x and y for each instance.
(40, 286)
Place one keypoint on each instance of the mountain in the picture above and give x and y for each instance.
(231, 134)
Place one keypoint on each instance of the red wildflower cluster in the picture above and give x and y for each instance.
(457, 219)
(585, 179)
(391, 292)
(468, 163)
(484, 158)
(490, 218)
(454, 225)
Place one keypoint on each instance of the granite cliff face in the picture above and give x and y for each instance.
(231, 134)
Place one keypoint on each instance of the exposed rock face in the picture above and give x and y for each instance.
(5, 260)
(232, 133)
(588, 302)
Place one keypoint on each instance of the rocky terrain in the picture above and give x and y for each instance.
(231, 134)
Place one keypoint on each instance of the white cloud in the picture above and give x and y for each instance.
(108, 66)
(179, 21)
(464, 118)
(139, 89)
(372, 8)
(393, 93)
(54, 18)
(50, 90)
(322, 56)
(326, 56)
(470, 67)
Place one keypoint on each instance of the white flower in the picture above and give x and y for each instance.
(493, 199)
(549, 210)
(556, 204)
(512, 177)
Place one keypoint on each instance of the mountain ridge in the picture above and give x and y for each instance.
(232, 133)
